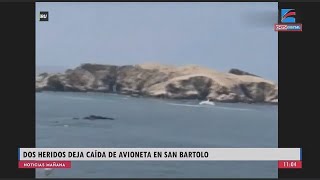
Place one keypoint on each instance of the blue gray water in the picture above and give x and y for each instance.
(147, 122)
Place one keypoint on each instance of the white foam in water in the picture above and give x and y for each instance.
(226, 108)
(188, 105)
(237, 109)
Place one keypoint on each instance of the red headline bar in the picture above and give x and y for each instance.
(44, 164)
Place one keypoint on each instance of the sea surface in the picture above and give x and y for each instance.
(154, 123)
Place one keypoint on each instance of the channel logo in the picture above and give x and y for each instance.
(44, 16)
(288, 21)
(288, 16)
(288, 27)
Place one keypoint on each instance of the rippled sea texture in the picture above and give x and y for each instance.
(146, 122)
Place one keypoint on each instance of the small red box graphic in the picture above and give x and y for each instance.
(44, 164)
(288, 27)
(289, 164)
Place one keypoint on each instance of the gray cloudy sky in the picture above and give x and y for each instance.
(216, 35)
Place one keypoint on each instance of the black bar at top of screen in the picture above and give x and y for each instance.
(17, 1)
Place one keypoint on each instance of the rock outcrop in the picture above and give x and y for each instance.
(240, 72)
(188, 82)
(95, 117)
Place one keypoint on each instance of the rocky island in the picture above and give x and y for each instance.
(162, 81)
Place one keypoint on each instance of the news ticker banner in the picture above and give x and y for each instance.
(62, 157)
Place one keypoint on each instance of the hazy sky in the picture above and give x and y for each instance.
(216, 35)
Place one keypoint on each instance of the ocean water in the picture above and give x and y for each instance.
(154, 123)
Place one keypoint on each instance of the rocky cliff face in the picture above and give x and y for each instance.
(189, 82)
